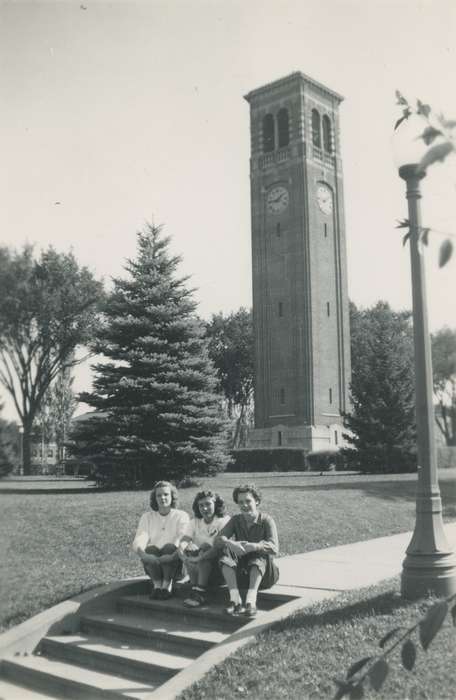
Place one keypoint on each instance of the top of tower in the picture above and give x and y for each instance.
(296, 76)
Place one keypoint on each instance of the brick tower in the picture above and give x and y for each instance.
(300, 302)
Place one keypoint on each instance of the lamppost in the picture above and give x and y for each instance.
(430, 564)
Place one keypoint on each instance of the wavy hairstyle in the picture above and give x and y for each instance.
(163, 484)
(247, 488)
(219, 504)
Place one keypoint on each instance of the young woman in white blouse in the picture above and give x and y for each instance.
(158, 536)
(196, 547)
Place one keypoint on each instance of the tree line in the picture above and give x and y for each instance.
(171, 393)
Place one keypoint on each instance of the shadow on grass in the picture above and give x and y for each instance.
(397, 489)
(382, 604)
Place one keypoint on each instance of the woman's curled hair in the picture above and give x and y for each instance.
(219, 504)
(163, 484)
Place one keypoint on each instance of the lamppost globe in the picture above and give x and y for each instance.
(429, 565)
(408, 145)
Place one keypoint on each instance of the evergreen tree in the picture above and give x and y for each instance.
(382, 421)
(156, 411)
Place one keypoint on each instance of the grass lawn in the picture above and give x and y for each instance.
(53, 546)
(300, 657)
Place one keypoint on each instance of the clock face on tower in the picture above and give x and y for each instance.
(277, 199)
(324, 199)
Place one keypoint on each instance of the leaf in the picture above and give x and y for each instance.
(356, 692)
(429, 134)
(453, 614)
(424, 237)
(423, 109)
(343, 688)
(435, 153)
(445, 252)
(406, 237)
(378, 673)
(408, 655)
(400, 99)
(405, 115)
(433, 621)
(354, 668)
(388, 636)
(403, 223)
(448, 123)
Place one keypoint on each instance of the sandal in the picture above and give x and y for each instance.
(196, 599)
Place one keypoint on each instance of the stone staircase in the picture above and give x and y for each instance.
(122, 648)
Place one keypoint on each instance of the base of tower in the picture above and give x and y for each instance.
(311, 438)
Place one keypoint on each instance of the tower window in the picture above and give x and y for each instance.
(278, 229)
(268, 133)
(330, 396)
(328, 308)
(316, 132)
(279, 438)
(280, 308)
(282, 396)
(327, 136)
(283, 127)
(326, 230)
(336, 437)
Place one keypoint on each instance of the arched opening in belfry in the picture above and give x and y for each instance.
(268, 133)
(283, 127)
(316, 129)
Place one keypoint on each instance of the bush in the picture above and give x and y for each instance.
(326, 461)
(278, 459)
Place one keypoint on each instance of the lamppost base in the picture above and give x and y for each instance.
(423, 574)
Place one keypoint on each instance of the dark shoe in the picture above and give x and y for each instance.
(250, 610)
(155, 594)
(165, 594)
(235, 609)
(196, 599)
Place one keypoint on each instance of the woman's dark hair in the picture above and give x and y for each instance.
(219, 504)
(163, 484)
(247, 488)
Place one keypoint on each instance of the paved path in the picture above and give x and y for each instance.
(348, 566)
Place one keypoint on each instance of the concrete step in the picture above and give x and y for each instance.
(132, 661)
(164, 634)
(10, 691)
(65, 680)
(210, 615)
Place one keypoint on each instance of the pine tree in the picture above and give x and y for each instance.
(382, 421)
(156, 411)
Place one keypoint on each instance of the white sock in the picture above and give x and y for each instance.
(235, 596)
(251, 597)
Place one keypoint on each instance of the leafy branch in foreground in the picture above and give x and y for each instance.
(376, 667)
(446, 248)
(439, 134)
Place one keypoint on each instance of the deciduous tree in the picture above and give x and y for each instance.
(382, 421)
(231, 350)
(444, 366)
(48, 307)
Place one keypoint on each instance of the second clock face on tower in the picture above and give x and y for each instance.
(277, 199)
(324, 199)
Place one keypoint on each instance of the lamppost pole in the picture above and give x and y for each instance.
(429, 565)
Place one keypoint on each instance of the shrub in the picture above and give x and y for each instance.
(326, 460)
(268, 460)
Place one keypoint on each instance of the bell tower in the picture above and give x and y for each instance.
(300, 301)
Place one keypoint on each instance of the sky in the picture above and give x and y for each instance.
(118, 113)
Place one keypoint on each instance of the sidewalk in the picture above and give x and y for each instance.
(322, 573)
